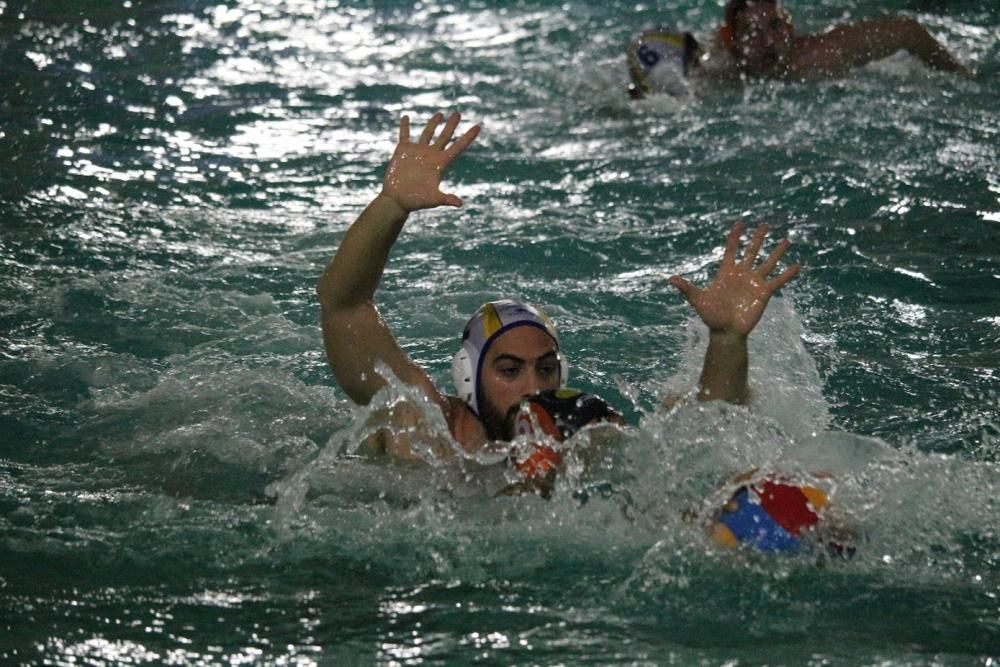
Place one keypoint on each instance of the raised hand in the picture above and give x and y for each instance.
(736, 298)
(413, 178)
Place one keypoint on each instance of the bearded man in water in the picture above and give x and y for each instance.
(510, 351)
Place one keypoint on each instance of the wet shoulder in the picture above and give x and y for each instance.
(464, 425)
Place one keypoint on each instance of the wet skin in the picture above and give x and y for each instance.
(764, 40)
(520, 362)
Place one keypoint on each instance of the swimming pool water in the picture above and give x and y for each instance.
(174, 176)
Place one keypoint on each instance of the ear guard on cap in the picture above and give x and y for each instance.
(462, 374)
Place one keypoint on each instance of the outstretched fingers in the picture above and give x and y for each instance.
(447, 132)
(764, 270)
(404, 130)
(786, 275)
(428, 133)
(756, 241)
(449, 129)
(685, 287)
(462, 143)
(732, 244)
(769, 265)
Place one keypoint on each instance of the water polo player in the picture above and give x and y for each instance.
(757, 40)
(510, 351)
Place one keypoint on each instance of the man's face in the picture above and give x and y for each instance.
(520, 362)
(763, 34)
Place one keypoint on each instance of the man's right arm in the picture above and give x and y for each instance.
(354, 334)
(356, 338)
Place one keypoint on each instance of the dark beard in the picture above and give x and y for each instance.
(499, 426)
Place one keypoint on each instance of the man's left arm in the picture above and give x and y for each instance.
(731, 306)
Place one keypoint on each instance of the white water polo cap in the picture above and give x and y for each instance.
(659, 61)
(485, 326)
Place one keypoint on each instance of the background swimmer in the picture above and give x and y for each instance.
(758, 41)
(510, 350)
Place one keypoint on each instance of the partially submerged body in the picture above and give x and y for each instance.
(510, 350)
(511, 357)
(758, 42)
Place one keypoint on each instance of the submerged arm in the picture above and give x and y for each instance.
(354, 334)
(731, 306)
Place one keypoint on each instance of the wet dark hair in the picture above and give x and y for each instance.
(735, 7)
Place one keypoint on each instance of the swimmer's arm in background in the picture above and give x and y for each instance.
(833, 52)
(731, 306)
(354, 334)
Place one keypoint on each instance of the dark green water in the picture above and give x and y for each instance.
(175, 175)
